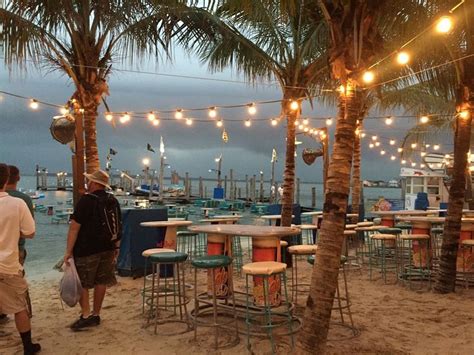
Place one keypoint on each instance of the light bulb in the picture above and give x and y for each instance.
(300, 127)
(427, 145)
(382, 152)
(413, 164)
(422, 154)
(252, 109)
(374, 138)
(125, 118)
(377, 144)
(305, 121)
(109, 117)
(363, 134)
(393, 157)
(294, 105)
(436, 147)
(447, 156)
(422, 165)
(306, 129)
(189, 121)
(403, 58)
(156, 122)
(311, 131)
(464, 114)
(403, 161)
(368, 77)
(219, 123)
(413, 145)
(151, 117)
(146, 161)
(424, 119)
(34, 104)
(341, 89)
(392, 141)
(248, 123)
(64, 110)
(178, 114)
(212, 112)
(388, 121)
(297, 123)
(400, 150)
(274, 122)
(444, 24)
(329, 122)
(371, 145)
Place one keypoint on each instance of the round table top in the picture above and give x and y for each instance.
(166, 223)
(273, 216)
(405, 213)
(430, 219)
(217, 220)
(246, 230)
(219, 216)
(312, 213)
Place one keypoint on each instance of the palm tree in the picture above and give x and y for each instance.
(82, 38)
(270, 40)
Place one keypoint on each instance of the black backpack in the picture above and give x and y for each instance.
(107, 212)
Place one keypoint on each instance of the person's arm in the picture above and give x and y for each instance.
(74, 228)
(27, 223)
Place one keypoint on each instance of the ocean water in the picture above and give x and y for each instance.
(49, 244)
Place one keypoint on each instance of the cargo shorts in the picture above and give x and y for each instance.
(13, 294)
(96, 269)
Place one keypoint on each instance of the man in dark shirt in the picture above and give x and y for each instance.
(93, 240)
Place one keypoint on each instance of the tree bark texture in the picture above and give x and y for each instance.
(326, 268)
(356, 173)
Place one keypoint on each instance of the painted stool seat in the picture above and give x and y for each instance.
(303, 249)
(393, 231)
(350, 232)
(365, 224)
(468, 242)
(283, 243)
(403, 226)
(415, 237)
(351, 226)
(148, 252)
(263, 268)
(212, 261)
(382, 236)
(168, 257)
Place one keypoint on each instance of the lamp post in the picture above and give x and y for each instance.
(273, 187)
(146, 162)
(219, 165)
(162, 166)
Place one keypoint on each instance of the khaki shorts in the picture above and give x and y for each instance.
(13, 294)
(97, 269)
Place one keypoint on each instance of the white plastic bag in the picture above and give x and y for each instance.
(70, 286)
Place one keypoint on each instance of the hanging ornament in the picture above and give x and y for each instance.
(310, 155)
(62, 128)
(225, 136)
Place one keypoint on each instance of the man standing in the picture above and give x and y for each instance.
(94, 240)
(12, 191)
(15, 222)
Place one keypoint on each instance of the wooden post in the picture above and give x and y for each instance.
(200, 187)
(205, 191)
(273, 189)
(186, 185)
(37, 176)
(261, 187)
(231, 175)
(254, 188)
(297, 190)
(246, 187)
(239, 193)
(313, 197)
(225, 187)
(325, 159)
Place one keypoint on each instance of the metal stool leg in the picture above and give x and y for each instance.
(247, 311)
(157, 311)
(268, 315)
(196, 304)
(290, 320)
(214, 308)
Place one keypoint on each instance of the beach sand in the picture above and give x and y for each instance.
(391, 319)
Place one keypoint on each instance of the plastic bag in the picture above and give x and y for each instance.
(70, 287)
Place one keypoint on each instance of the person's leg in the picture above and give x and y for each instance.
(99, 294)
(23, 325)
(84, 303)
(22, 321)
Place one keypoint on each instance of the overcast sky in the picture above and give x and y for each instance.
(25, 139)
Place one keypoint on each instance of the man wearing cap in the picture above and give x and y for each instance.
(15, 222)
(93, 240)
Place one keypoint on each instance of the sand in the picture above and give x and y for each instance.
(392, 319)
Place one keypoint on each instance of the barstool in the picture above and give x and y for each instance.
(213, 263)
(294, 251)
(419, 267)
(267, 270)
(237, 253)
(343, 302)
(173, 263)
(378, 256)
(364, 241)
(307, 233)
(436, 240)
(283, 246)
(146, 254)
(349, 235)
(467, 245)
(186, 243)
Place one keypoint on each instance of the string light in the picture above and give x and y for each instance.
(400, 150)
(363, 134)
(252, 109)
(189, 121)
(444, 24)
(212, 112)
(413, 164)
(294, 105)
(156, 122)
(374, 138)
(219, 123)
(436, 147)
(424, 119)
(178, 114)
(377, 144)
(392, 141)
(382, 152)
(300, 127)
(422, 165)
(464, 114)
(393, 157)
(151, 117)
(329, 122)
(306, 129)
(403, 58)
(248, 123)
(422, 154)
(403, 161)
(125, 118)
(305, 121)
(297, 123)
(34, 104)
(274, 122)
(341, 89)
(368, 77)
(427, 145)
(389, 121)
(311, 131)
(109, 117)
(413, 145)
(371, 145)
(64, 110)
(447, 156)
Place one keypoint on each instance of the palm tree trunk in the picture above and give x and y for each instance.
(356, 174)
(446, 277)
(313, 334)
(289, 174)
